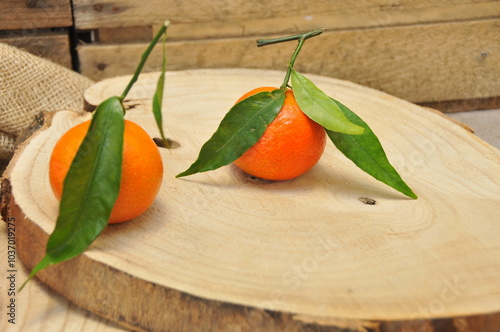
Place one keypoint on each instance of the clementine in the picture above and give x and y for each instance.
(291, 145)
(142, 169)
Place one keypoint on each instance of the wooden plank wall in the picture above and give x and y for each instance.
(39, 27)
(444, 54)
(423, 51)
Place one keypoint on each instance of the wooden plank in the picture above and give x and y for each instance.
(454, 106)
(125, 34)
(18, 14)
(420, 63)
(194, 19)
(53, 46)
(384, 15)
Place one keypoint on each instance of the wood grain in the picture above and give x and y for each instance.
(38, 309)
(219, 250)
(454, 106)
(16, 14)
(53, 46)
(421, 63)
(125, 35)
(236, 18)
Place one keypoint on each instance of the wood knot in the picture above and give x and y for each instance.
(171, 144)
(367, 201)
(30, 3)
(98, 7)
(101, 66)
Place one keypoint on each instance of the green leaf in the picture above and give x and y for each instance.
(158, 98)
(157, 103)
(90, 188)
(239, 130)
(367, 153)
(320, 108)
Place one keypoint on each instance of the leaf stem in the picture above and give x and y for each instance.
(302, 37)
(144, 57)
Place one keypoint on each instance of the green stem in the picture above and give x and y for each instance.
(302, 37)
(291, 63)
(144, 57)
(306, 35)
(166, 142)
(164, 63)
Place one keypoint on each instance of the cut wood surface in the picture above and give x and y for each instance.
(220, 250)
(40, 310)
(419, 63)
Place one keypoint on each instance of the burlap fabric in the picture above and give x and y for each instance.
(28, 85)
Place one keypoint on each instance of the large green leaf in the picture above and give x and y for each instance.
(367, 153)
(239, 130)
(90, 188)
(320, 108)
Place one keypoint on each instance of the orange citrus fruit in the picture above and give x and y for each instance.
(142, 169)
(291, 145)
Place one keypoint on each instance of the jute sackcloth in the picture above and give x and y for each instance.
(29, 85)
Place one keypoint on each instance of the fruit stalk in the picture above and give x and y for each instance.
(302, 37)
(144, 57)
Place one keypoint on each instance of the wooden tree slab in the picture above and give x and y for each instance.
(329, 250)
